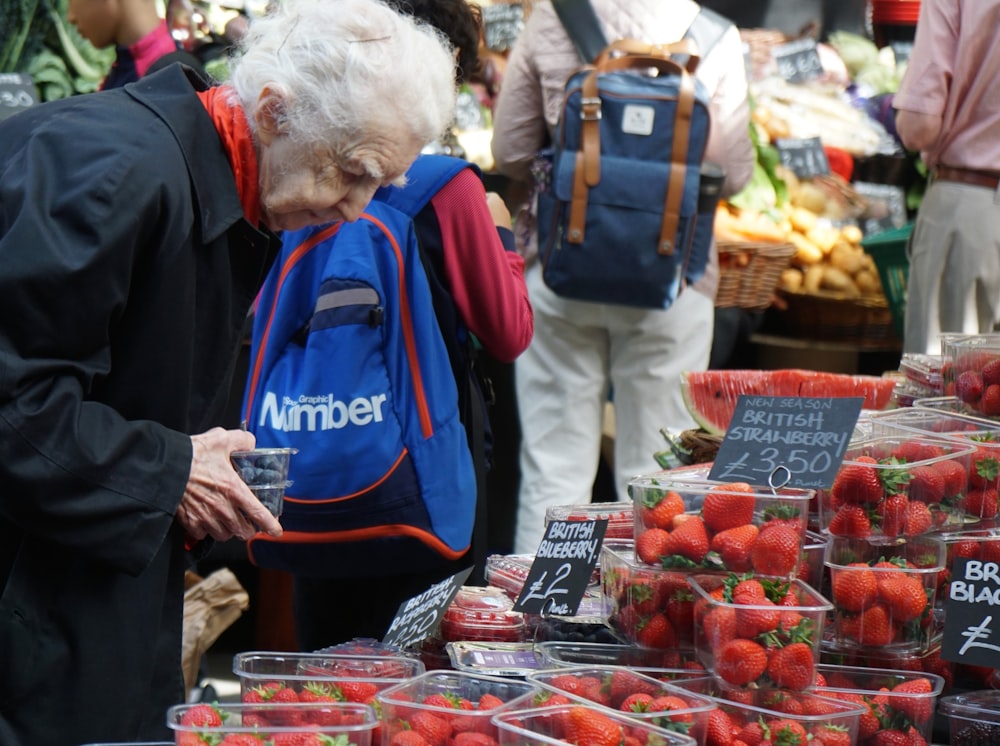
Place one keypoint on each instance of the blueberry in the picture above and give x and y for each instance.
(268, 476)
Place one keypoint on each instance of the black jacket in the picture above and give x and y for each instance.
(126, 271)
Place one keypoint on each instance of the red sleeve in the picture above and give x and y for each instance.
(487, 282)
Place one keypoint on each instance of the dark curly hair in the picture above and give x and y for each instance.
(459, 20)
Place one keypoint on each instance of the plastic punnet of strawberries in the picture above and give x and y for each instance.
(697, 525)
(759, 632)
(581, 724)
(898, 486)
(883, 594)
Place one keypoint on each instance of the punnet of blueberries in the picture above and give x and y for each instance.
(263, 466)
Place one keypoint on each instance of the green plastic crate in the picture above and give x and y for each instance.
(888, 249)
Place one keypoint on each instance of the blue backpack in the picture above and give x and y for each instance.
(348, 365)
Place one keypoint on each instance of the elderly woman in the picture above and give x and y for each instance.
(135, 228)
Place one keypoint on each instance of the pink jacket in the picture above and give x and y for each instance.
(544, 57)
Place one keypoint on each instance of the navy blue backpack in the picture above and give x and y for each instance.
(348, 364)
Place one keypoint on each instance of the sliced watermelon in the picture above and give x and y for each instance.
(711, 395)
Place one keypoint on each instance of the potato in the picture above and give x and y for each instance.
(851, 234)
(847, 257)
(812, 279)
(806, 252)
(791, 279)
(802, 219)
(868, 282)
(824, 236)
(836, 279)
(811, 197)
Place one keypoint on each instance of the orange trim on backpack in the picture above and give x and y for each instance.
(363, 534)
(327, 501)
(301, 250)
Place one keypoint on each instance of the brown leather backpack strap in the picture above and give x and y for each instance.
(678, 168)
(587, 170)
(685, 48)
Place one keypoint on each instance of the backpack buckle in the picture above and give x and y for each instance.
(590, 108)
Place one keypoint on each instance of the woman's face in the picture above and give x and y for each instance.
(301, 189)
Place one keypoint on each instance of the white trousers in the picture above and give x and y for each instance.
(581, 353)
(954, 275)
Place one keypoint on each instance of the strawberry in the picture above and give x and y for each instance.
(719, 626)
(435, 730)
(911, 451)
(672, 703)
(990, 403)
(566, 682)
(637, 702)
(858, 482)
(875, 626)
(752, 733)
(793, 666)
(651, 545)
(408, 738)
(728, 506)
(854, 587)
(969, 387)
(202, 716)
(913, 699)
(740, 662)
(657, 632)
(751, 621)
(981, 502)
(356, 691)
(720, 728)
(777, 551)
(659, 511)
(984, 468)
(891, 738)
(892, 511)
(918, 519)
(239, 739)
(850, 521)
(689, 540)
(991, 372)
(734, 545)
(926, 484)
(954, 475)
(587, 725)
(489, 702)
(472, 738)
(829, 734)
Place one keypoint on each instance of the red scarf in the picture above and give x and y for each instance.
(231, 124)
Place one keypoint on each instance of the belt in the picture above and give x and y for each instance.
(987, 179)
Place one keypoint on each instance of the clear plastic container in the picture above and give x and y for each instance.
(883, 593)
(929, 662)
(353, 723)
(445, 695)
(811, 568)
(897, 485)
(509, 571)
(929, 422)
(554, 724)
(975, 544)
(615, 687)
(621, 522)
(482, 614)
(900, 695)
(729, 635)
(263, 466)
(972, 365)
(973, 717)
(724, 525)
(495, 658)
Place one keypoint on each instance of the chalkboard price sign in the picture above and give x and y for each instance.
(972, 614)
(803, 155)
(502, 24)
(17, 93)
(798, 61)
(803, 439)
(563, 565)
(417, 618)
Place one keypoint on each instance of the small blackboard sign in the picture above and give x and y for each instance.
(795, 441)
(972, 611)
(798, 61)
(17, 93)
(417, 618)
(562, 568)
(803, 155)
(502, 24)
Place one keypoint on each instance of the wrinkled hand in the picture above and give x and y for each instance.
(498, 209)
(217, 502)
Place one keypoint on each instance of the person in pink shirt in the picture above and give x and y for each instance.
(143, 43)
(948, 108)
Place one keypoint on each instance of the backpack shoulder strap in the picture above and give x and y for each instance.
(580, 22)
(707, 29)
(427, 175)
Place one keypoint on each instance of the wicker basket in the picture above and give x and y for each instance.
(864, 322)
(749, 273)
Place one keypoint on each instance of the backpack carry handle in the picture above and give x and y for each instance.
(633, 47)
(587, 172)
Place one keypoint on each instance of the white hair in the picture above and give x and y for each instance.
(347, 69)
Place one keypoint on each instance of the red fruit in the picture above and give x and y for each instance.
(762, 616)
(734, 545)
(566, 682)
(689, 540)
(202, 716)
(740, 662)
(991, 372)
(911, 451)
(587, 725)
(436, 730)
(831, 735)
(891, 738)
(489, 702)
(719, 625)
(661, 510)
(875, 626)
(854, 587)
(984, 468)
(857, 482)
(720, 729)
(408, 738)
(787, 731)
(917, 704)
(637, 702)
(918, 519)
(981, 502)
(954, 474)
(990, 403)
(851, 521)
(777, 551)
(671, 703)
(657, 632)
(356, 691)
(893, 514)
(472, 738)
(969, 386)
(793, 666)
(651, 545)
(728, 506)
(926, 484)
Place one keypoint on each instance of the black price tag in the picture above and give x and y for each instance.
(804, 156)
(786, 441)
(798, 61)
(502, 24)
(562, 568)
(17, 93)
(417, 618)
(972, 612)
